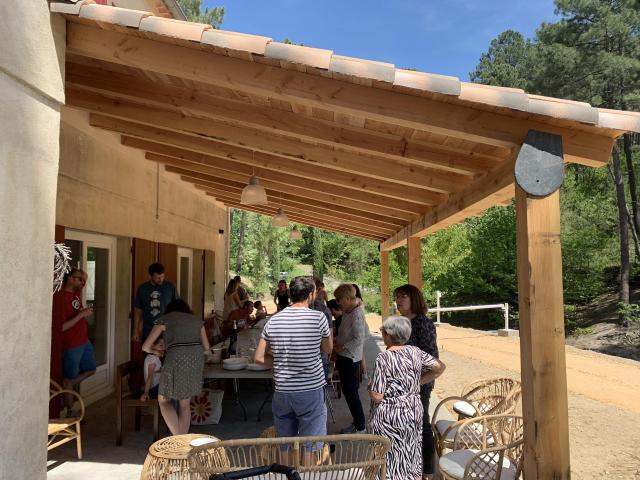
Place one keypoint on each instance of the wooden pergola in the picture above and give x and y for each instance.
(352, 146)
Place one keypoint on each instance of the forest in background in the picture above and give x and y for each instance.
(590, 54)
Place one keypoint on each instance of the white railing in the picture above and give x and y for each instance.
(503, 306)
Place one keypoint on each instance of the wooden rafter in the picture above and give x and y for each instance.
(377, 174)
(199, 102)
(293, 203)
(374, 206)
(449, 119)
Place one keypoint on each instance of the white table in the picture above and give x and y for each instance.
(216, 371)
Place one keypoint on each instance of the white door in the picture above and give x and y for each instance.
(96, 254)
(185, 269)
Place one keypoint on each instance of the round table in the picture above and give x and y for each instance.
(168, 459)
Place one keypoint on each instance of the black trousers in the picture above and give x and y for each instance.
(348, 373)
(428, 445)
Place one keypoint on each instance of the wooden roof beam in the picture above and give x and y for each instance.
(495, 188)
(374, 206)
(286, 153)
(199, 102)
(321, 209)
(459, 121)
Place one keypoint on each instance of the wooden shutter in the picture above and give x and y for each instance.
(209, 282)
(168, 256)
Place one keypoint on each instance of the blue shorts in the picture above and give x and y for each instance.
(299, 414)
(78, 360)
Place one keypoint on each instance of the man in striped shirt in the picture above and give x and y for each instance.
(291, 342)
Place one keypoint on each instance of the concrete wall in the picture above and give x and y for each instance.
(31, 92)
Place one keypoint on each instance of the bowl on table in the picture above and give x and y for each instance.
(235, 363)
(257, 367)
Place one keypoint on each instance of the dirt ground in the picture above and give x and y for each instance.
(604, 396)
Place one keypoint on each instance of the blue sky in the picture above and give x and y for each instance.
(436, 36)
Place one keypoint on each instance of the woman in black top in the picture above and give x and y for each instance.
(411, 304)
(281, 298)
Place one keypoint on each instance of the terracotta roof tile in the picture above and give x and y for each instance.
(174, 28)
(315, 57)
(619, 120)
(429, 82)
(117, 16)
(513, 98)
(384, 72)
(69, 8)
(563, 109)
(236, 41)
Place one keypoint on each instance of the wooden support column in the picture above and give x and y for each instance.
(542, 342)
(415, 261)
(384, 283)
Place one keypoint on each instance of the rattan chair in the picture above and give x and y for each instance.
(485, 397)
(486, 447)
(349, 457)
(63, 430)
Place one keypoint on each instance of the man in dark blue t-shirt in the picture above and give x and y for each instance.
(151, 300)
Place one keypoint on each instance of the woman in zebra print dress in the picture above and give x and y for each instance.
(395, 391)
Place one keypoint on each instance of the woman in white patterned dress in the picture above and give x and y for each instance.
(395, 391)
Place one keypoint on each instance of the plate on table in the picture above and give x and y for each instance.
(234, 363)
(256, 367)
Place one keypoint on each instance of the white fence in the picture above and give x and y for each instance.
(502, 306)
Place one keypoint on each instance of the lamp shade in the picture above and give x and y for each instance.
(280, 219)
(253, 193)
(295, 234)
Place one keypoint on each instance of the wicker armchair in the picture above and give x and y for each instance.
(352, 457)
(486, 447)
(485, 397)
(63, 430)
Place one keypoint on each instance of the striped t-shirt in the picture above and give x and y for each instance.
(294, 335)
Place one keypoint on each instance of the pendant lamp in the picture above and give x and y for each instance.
(253, 193)
(280, 219)
(295, 234)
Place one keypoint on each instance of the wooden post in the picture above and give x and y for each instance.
(384, 283)
(414, 260)
(542, 342)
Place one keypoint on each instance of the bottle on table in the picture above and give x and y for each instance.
(233, 339)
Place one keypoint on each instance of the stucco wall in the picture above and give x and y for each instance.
(31, 79)
(108, 188)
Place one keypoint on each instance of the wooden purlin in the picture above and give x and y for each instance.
(199, 102)
(205, 136)
(493, 189)
(452, 119)
(286, 202)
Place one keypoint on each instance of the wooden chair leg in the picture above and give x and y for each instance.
(156, 422)
(119, 423)
(79, 441)
(137, 419)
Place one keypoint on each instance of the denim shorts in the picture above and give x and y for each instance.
(78, 360)
(299, 414)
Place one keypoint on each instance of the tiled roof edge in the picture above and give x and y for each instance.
(510, 98)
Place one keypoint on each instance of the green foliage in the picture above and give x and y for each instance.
(195, 13)
(629, 312)
(583, 330)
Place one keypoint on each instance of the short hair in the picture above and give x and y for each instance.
(71, 271)
(333, 304)
(397, 328)
(300, 288)
(418, 304)
(358, 294)
(156, 268)
(246, 303)
(345, 290)
(319, 283)
(257, 304)
(237, 279)
(282, 281)
(178, 305)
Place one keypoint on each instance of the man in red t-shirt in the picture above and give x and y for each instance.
(69, 337)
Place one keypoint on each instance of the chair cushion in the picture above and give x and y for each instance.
(464, 408)
(454, 464)
(442, 425)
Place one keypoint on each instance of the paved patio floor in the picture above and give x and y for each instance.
(103, 460)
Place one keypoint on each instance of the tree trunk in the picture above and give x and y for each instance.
(318, 257)
(623, 226)
(243, 226)
(631, 180)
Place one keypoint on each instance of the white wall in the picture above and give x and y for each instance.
(31, 92)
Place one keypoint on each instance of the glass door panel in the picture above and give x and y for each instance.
(96, 294)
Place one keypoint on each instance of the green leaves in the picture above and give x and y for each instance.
(195, 13)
